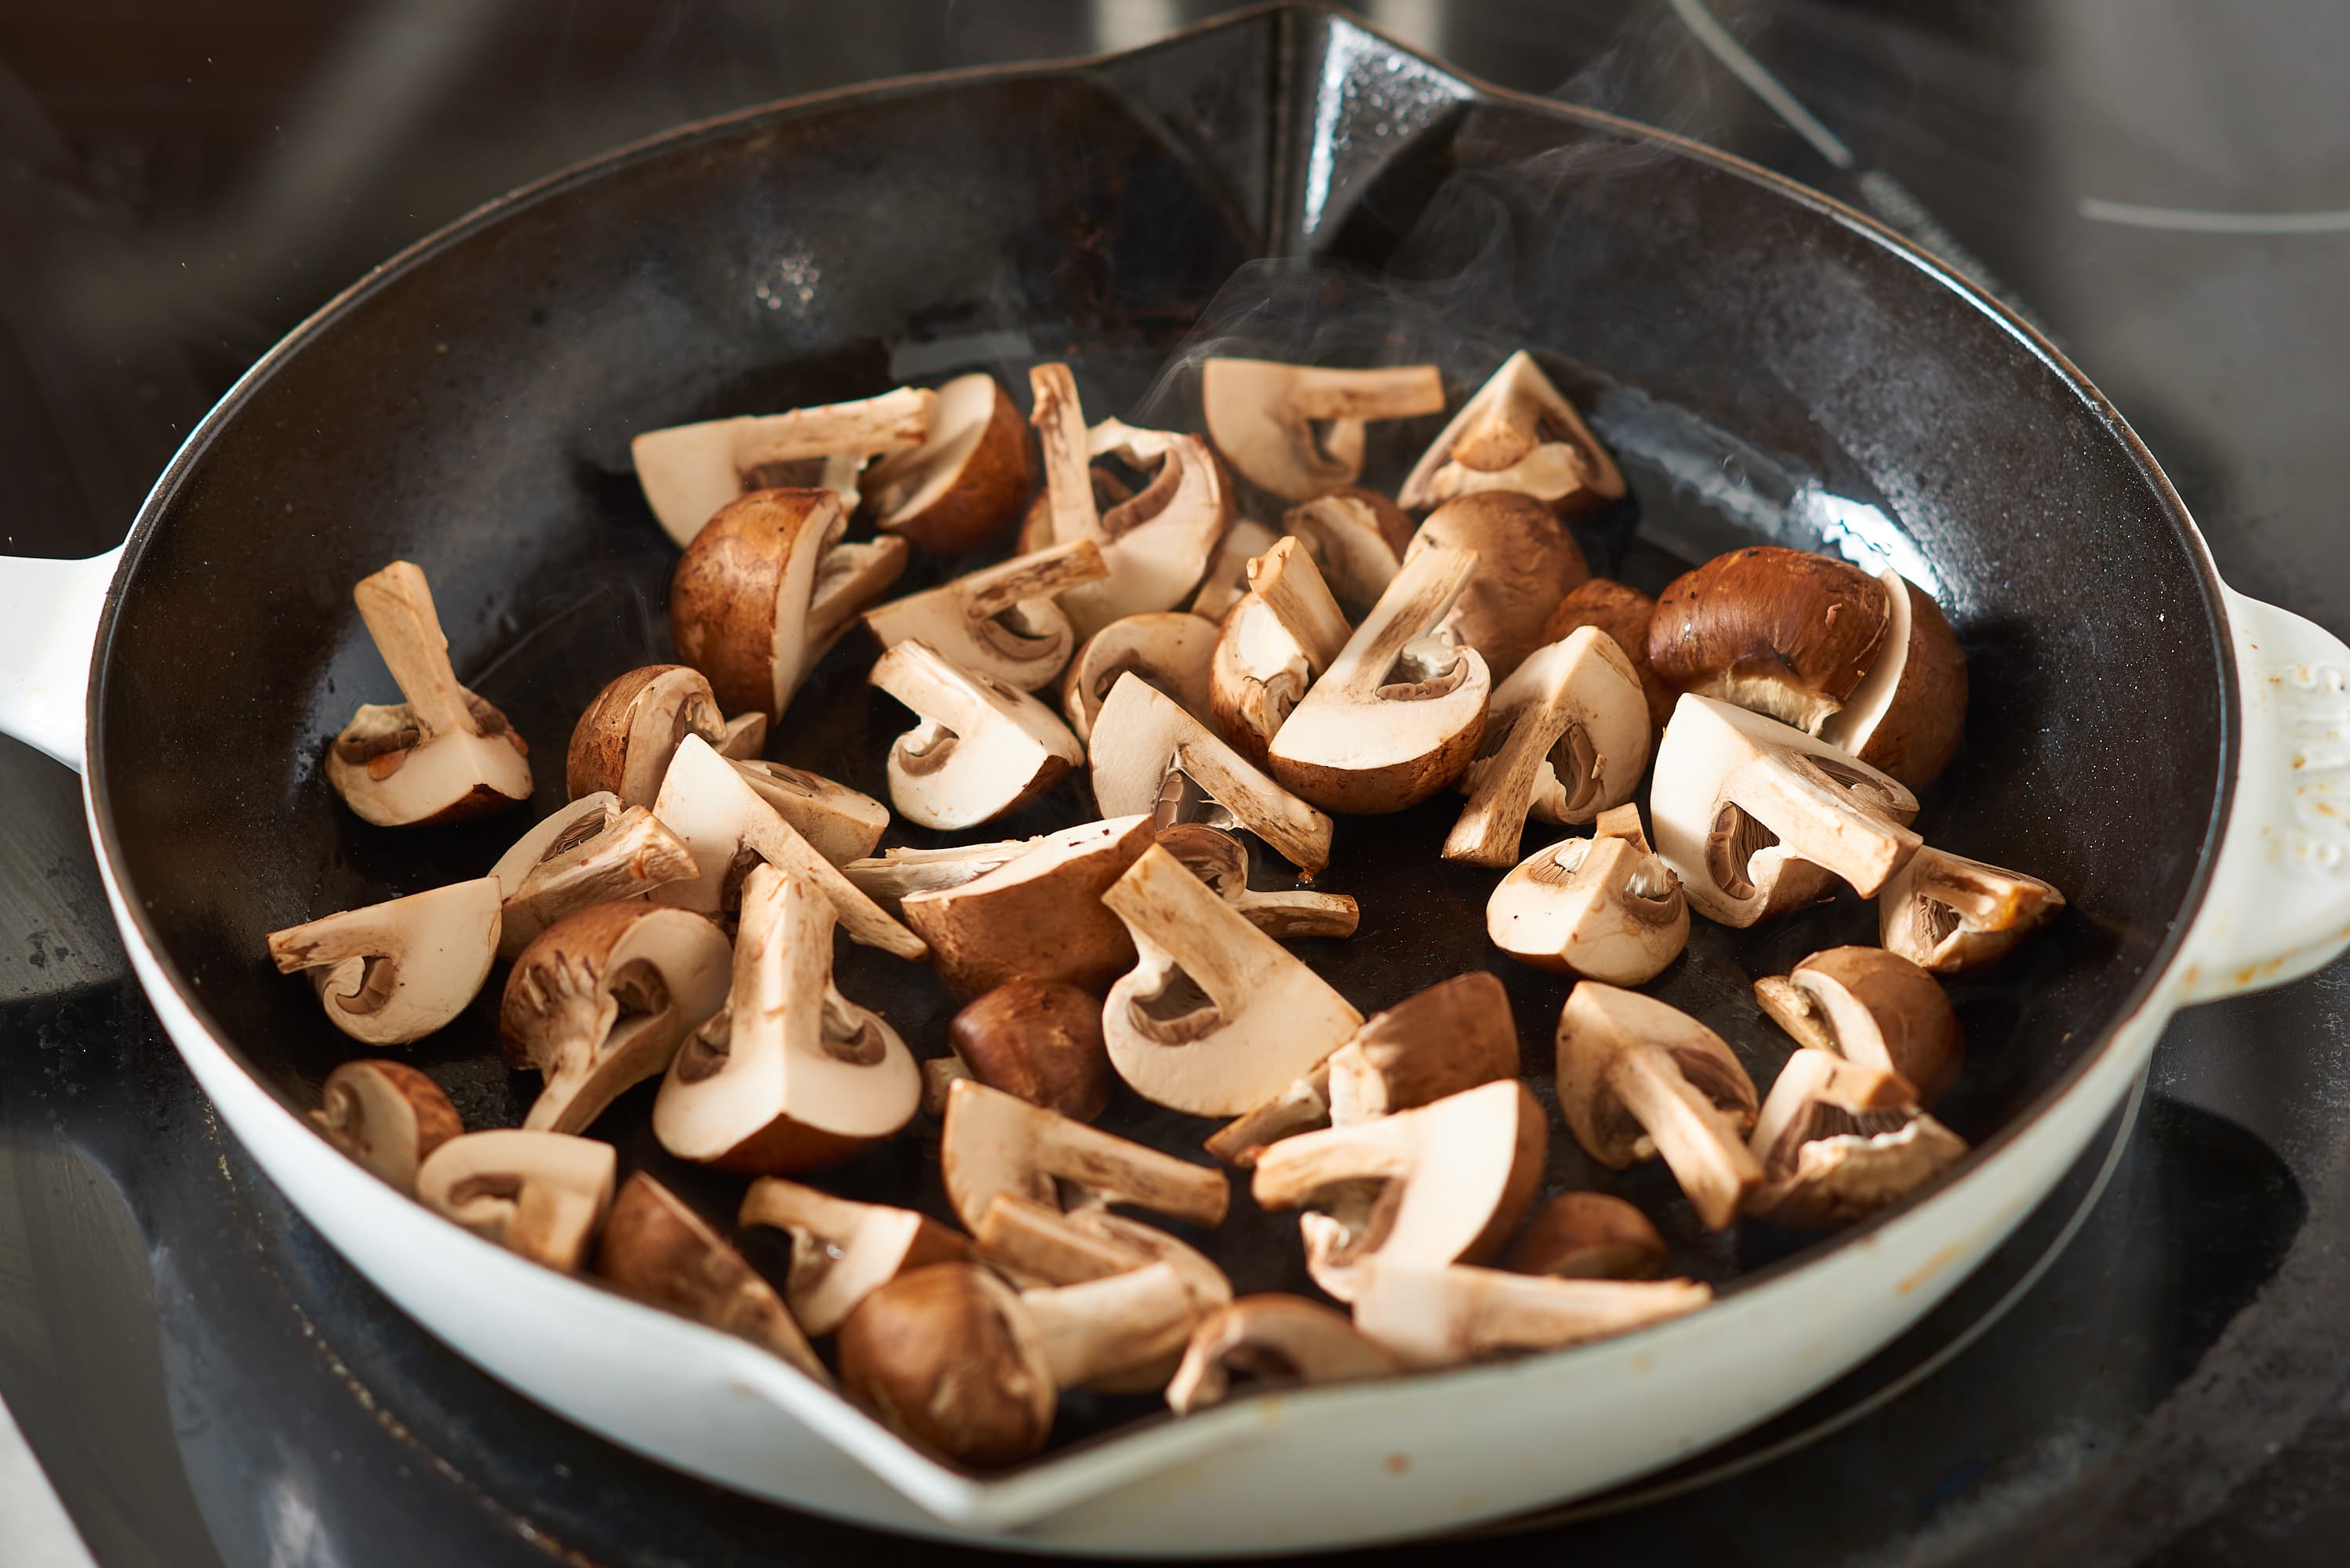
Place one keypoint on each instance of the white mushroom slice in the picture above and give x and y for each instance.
(1275, 644)
(788, 1075)
(1262, 416)
(1221, 861)
(982, 749)
(396, 971)
(839, 822)
(1588, 1236)
(1757, 817)
(992, 1143)
(1567, 737)
(1038, 916)
(623, 741)
(744, 737)
(1149, 755)
(540, 1194)
(1874, 1007)
(1910, 711)
(1442, 1317)
(725, 824)
(1399, 713)
(842, 1252)
(1227, 578)
(1517, 433)
(999, 621)
(1602, 908)
(960, 488)
(1038, 1246)
(599, 1001)
(1357, 537)
(690, 472)
(1272, 1341)
(896, 875)
(442, 755)
(589, 852)
(662, 1253)
(1216, 1016)
(388, 1116)
(1166, 648)
(1946, 913)
(1838, 1141)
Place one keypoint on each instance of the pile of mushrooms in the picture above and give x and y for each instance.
(1221, 643)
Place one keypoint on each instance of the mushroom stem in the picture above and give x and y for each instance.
(1286, 581)
(1291, 1172)
(897, 419)
(1702, 1145)
(1093, 1332)
(1300, 913)
(1279, 1339)
(1812, 813)
(396, 603)
(1029, 1238)
(1060, 422)
(992, 590)
(634, 854)
(1303, 1107)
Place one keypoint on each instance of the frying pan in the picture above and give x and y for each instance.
(1764, 362)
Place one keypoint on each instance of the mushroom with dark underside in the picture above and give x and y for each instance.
(688, 472)
(1528, 562)
(1785, 633)
(1357, 537)
(586, 853)
(842, 1252)
(964, 484)
(1272, 1341)
(1567, 737)
(657, 1250)
(394, 972)
(1873, 1007)
(992, 1143)
(1037, 916)
(388, 1116)
(538, 1194)
(982, 750)
(1169, 650)
(1624, 614)
(1263, 416)
(1038, 1039)
(1221, 860)
(1840, 1140)
(1946, 913)
(1587, 1236)
(999, 621)
(1518, 434)
(1440, 1317)
(1603, 908)
(1150, 756)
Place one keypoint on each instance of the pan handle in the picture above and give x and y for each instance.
(2279, 904)
(49, 627)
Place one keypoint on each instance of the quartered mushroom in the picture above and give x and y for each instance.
(624, 740)
(1446, 1182)
(1626, 614)
(1946, 913)
(1517, 433)
(1038, 1039)
(839, 822)
(842, 1252)
(393, 972)
(789, 1075)
(1442, 1317)
(659, 1252)
(965, 483)
(1758, 818)
(1873, 1007)
(1220, 860)
(1035, 1244)
(999, 621)
(1567, 737)
(599, 1001)
(586, 853)
(1528, 562)
(387, 1117)
(1037, 916)
(992, 1143)
(540, 1194)
(1587, 1236)
(1272, 1341)
(1216, 1016)
(895, 875)
(1785, 633)
(1297, 430)
(1150, 756)
(1169, 648)
(1839, 1140)
(690, 472)
(1227, 575)
(1908, 712)
(1357, 537)
(982, 749)
(443, 754)
(1638, 1079)
(1603, 908)
(1272, 646)
(1399, 713)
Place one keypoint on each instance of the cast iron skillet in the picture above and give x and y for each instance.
(1760, 372)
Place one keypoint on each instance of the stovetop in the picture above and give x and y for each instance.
(2160, 186)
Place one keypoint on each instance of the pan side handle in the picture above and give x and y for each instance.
(2279, 904)
(49, 627)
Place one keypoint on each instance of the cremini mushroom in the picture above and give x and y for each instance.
(1783, 632)
(386, 1115)
(895, 875)
(999, 621)
(982, 749)
(1227, 575)
(1528, 562)
(586, 853)
(1399, 713)
(1357, 537)
(1758, 818)
(1150, 756)
(992, 1143)
(1587, 1236)
(691, 471)
(1873, 1007)
(1037, 1243)
(659, 1252)
(1603, 908)
(1274, 643)
(1220, 860)
(1169, 648)
(1516, 433)
(393, 972)
(1036, 529)
(839, 822)
(1624, 614)
(1839, 1140)
(1567, 737)
(443, 754)
(842, 1251)
(1442, 1317)
(1638, 1078)
(1946, 913)
(1037, 916)
(1272, 1341)
(788, 1075)
(1263, 414)
(600, 1000)
(540, 1194)
(965, 483)
(744, 737)
(1910, 711)
(624, 740)
(1215, 1015)
(1038, 1039)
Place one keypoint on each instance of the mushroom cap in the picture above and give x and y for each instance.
(943, 1356)
(1946, 913)
(965, 484)
(843, 1250)
(1260, 414)
(659, 1252)
(1588, 1236)
(1516, 433)
(839, 822)
(1601, 907)
(1168, 648)
(1440, 1317)
(1602, 1024)
(1357, 537)
(1274, 1340)
(1908, 712)
(739, 599)
(1139, 730)
(1037, 916)
(1625, 614)
(690, 472)
(983, 749)
(1257, 674)
(1839, 1141)
(1454, 1035)
(999, 621)
(395, 972)
(895, 875)
(539, 1194)
(1567, 737)
(1784, 632)
(992, 1143)
(1875, 1008)
(1038, 1039)
(589, 852)
(1530, 562)
(624, 740)
(387, 1117)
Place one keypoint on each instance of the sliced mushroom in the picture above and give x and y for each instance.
(600, 1000)
(1587, 1236)
(999, 621)
(396, 971)
(589, 852)
(1567, 737)
(624, 741)
(1150, 756)
(1216, 1015)
(1035, 1246)
(1275, 643)
(1221, 861)
(843, 1251)
(1272, 1341)
(1036, 524)
(1874, 1007)
(1602, 908)
(442, 755)
(1517, 433)
(540, 1194)
(1454, 1178)
(1442, 1317)
(744, 737)
(1758, 818)
(788, 1075)
(1301, 1105)
(1529, 563)
(1398, 713)
(1908, 712)
(660, 1252)
(386, 1115)
(1168, 648)
(1227, 577)
(1946, 913)
(1626, 614)
(690, 472)
(993, 1143)
(839, 822)
(964, 486)
(1638, 1079)
(1840, 1140)
(1357, 537)
(1038, 916)
(896, 875)
(1262, 416)
(1038, 1039)
(982, 749)
(1785, 633)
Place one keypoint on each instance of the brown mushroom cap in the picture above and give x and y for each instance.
(1588, 1236)
(1038, 1039)
(660, 1252)
(1783, 632)
(1454, 1035)
(1037, 916)
(1946, 913)
(943, 1357)
(1910, 711)
(962, 487)
(739, 600)
(1274, 1341)
(1529, 563)
(1626, 614)
(981, 748)
(1875, 1008)
(624, 740)
(387, 1117)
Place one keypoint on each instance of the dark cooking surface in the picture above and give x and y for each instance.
(2200, 1211)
